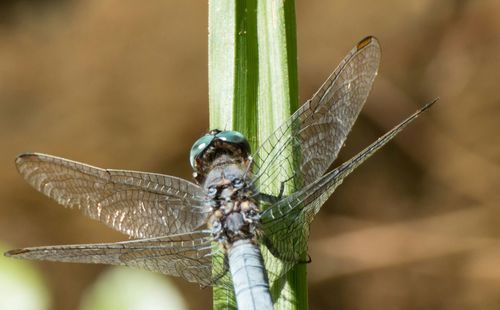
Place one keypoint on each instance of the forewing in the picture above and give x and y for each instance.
(318, 129)
(139, 204)
(183, 255)
(286, 223)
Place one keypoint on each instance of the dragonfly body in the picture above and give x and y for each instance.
(251, 285)
(234, 209)
(224, 169)
(222, 165)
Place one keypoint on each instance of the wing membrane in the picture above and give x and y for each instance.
(183, 255)
(139, 204)
(318, 129)
(286, 223)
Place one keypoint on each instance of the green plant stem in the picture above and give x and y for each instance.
(278, 98)
(253, 89)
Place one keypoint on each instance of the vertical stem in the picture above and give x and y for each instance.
(233, 81)
(221, 88)
(253, 89)
(278, 98)
(233, 67)
(221, 61)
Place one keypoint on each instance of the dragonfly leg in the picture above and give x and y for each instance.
(308, 261)
(266, 198)
(271, 199)
(282, 186)
(225, 269)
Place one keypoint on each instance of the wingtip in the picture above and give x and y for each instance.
(23, 156)
(366, 41)
(26, 155)
(15, 252)
(429, 105)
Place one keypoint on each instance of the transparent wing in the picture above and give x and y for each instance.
(139, 204)
(286, 224)
(318, 129)
(183, 255)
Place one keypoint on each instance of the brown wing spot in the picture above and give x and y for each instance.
(364, 42)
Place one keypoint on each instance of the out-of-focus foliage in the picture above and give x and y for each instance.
(21, 285)
(123, 84)
(128, 289)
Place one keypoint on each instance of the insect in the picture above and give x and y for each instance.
(232, 210)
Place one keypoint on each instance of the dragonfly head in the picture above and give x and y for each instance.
(207, 149)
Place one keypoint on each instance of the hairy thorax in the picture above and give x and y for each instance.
(235, 213)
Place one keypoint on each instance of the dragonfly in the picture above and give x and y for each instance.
(232, 210)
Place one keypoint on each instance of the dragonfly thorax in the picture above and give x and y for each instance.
(235, 214)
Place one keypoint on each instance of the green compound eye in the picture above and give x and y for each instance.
(231, 137)
(199, 147)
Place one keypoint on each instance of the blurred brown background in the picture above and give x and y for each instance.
(123, 84)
